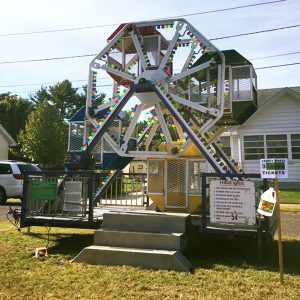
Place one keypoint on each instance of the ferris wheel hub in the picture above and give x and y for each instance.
(152, 76)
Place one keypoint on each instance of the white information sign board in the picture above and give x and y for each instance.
(232, 202)
(274, 168)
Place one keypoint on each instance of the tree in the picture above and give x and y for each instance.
(3, 95)
(66, 98)
(44, 139)
(14, 111)
(40, 96)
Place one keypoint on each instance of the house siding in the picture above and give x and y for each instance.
(279, 116)
(282, 115)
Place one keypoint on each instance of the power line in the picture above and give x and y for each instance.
(103, 78)
(80, 87)
(45, 83)
(225, 9)
(46, 59)
(115, 24)
(254, 32)
(106, 85)
(94, 54)
(277, 66)
(275, 55)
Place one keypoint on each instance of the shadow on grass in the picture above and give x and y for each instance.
(242, 252)
(203, 251)
(66, 244)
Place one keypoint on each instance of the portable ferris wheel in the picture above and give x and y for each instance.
(191, 90)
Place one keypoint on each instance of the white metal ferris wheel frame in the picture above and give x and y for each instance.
(157, 77)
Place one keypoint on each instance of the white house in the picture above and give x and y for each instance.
(273, 131)
(6, 141)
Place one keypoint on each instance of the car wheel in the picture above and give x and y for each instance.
(3, 197)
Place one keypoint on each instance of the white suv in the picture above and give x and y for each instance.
(11, 178)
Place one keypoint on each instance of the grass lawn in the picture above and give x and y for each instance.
(290, 197)
(225, 269)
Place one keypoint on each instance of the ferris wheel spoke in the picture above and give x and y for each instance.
(191, 71)
(132, 61)
(151, 135)
(131, 127)
(194, 105)
(189, 58)
(139, 51)
(163, 124)
(171, 46)
(119, 73)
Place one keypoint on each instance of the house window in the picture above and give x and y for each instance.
(272, 146)
(225, 141)
(277, 146)
(295, 141)
(254, 147)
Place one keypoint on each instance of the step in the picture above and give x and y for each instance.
(144, 258)
(145, 221)
(146, 240)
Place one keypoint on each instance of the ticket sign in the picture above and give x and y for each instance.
(232, 202)
(274, 168)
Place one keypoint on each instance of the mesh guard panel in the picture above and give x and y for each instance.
(76, 136)
(176, 183)
(156, 176)
(242, 83)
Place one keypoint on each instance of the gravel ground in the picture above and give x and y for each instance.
(290, 222)
(3, 211)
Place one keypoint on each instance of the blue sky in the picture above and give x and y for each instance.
(36, 15)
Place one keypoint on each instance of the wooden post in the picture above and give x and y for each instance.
(280, 255)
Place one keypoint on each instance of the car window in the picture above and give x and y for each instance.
(28, 168)
(5, 169)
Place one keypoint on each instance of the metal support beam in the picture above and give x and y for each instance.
(106, 185)
(225, 158)
(110, 119)
(189, 131)
(104, 106)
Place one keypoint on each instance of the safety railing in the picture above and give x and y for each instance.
(56, 198)
(127, 189)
